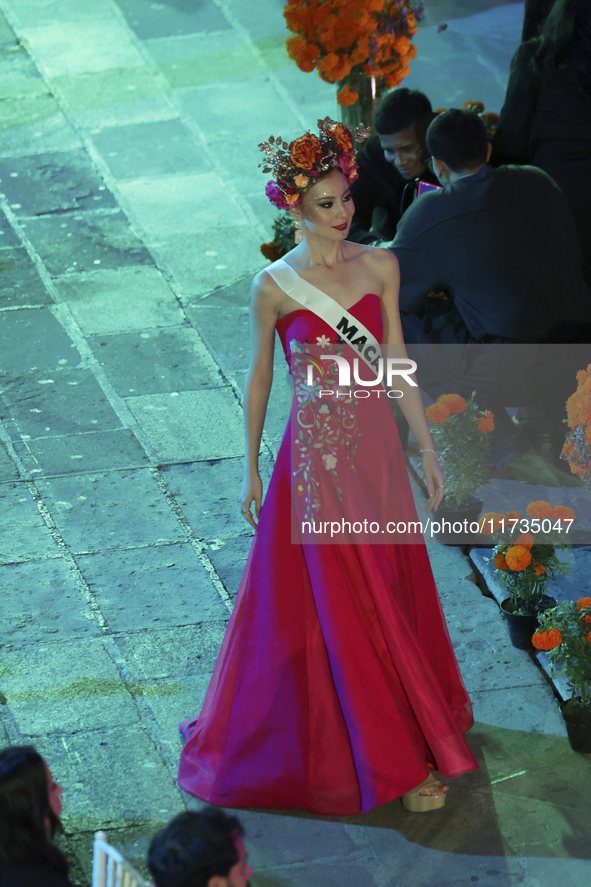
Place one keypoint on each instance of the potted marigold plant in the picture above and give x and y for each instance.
(362, 45)
(565, 635)
(525, 567)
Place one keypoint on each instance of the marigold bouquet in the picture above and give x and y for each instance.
(540, 523)
(341, 37)
(577, 446)
(565, 634)
(525, 566)
(459, 430)
(489, 118)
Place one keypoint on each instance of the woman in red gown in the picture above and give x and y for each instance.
(336, 688)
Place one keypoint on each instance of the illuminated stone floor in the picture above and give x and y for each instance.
(132, 214)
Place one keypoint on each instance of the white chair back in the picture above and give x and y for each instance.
(110, 869)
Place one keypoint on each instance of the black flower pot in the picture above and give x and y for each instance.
(577, 720)
(522, 625)
(456, 529)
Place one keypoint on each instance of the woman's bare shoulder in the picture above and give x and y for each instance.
(264, 292)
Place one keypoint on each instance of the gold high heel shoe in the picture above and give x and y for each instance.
(418, 803)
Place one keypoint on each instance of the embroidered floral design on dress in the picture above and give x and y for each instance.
(326, 432)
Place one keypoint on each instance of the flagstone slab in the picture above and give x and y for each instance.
(23, 532)
(191, 426)
(8, 470)
(147, 588)
(20, 283)
(110, 510)
(202, 262)
(61, 687)
(118, 96)
(46, 135)
(171, 701)
(103, 769)
(54, 182)
(116, 301)
(48, 345)
(21, 110)
(164, 20)
(70, 47)
(157, 361)
(41, 601)
(229, 559)
(33, 13)
(203, 59)
(70, 402)
(208, 492)
(8, 236)
(17, 70)
(75, 453)
(182, 204)
(74, 242)
(172, 652)
(150, 149)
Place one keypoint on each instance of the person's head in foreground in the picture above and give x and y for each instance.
(458, 144)
(312, 176)
(30, 807)
(401, 121)
(204, 849)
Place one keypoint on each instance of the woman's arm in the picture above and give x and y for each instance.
(386, 265)
(263, 318)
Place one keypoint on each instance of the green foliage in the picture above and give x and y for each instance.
(527, 587)
(572, 657)
(463, 453)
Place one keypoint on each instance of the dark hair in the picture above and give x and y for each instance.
(402, 108)
(458, 137)
(568, 23)
(25, 812)
(193, 848)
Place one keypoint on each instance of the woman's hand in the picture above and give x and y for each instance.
(434, 479)
(252, 491)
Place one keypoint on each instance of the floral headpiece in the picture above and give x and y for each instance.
(297, 164)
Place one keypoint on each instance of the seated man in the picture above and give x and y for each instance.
(502, 246)
(203, 849)
(390, 165)
(501, 243)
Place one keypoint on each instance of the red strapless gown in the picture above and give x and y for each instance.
(336, 687)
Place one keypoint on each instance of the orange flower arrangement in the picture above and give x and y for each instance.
(490, 120)
(437, 412)
(500, 562)
(485, 423)
(305, 151)
(343, 37)
(547, 640)
(489, 523)
(525, 539)
(453, 402)
(562, 513)
(584, 603)
(524, 567)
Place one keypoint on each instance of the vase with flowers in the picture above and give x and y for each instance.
(459, 431)
(577, 445)
(364, 46)
(564, 634)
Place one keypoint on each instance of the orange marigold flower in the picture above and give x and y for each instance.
(525, 539)
(568, 448)
(453, 402)
(271, 251)
(500, 562)
(539, 569)
(518, 557)
(562, 512)
(342, 135)
(489, 522)
(474, 106)
(303, 53)
(547, 640)
(586, 619)
(588, 434)
(305, 151)
(512, 516)
(437, 412)
(584, 603)
(485, 423)
(439, 110)
(583, 375)
(540, 509)
(490, 118)
(347, 96)
(589, 637)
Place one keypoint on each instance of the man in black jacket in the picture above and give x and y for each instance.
(502, 245)
(390, 165)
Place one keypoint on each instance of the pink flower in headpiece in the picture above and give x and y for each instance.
(348, 166)
(280, 199)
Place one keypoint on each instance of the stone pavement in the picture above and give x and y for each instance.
(132, 213)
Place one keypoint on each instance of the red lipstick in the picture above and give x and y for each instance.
(342, 227)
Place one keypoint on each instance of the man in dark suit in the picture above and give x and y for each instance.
(500, 242)
(500, 250)
(390, 165)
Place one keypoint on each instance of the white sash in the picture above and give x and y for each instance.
(338, 318)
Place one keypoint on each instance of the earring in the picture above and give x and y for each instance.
(299, 232)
